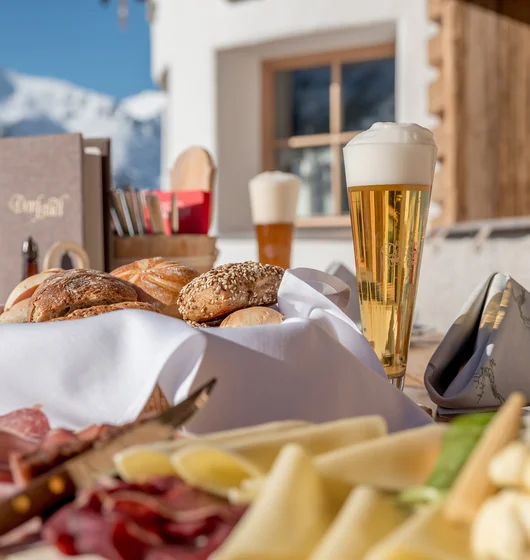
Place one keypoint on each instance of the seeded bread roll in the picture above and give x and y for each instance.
(101, 309)
(67, 291)
(163, 279)
(229, 287)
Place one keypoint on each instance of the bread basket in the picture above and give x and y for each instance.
(196, 251)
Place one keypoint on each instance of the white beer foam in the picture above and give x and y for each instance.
(390, 154)
(274, 197)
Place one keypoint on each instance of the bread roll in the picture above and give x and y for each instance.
(252, 316)
(26, 288)
(161, 278)
(17, 313)
(101, 309)
(67, 291)
(229, 287)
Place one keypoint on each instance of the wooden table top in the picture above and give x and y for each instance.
(421, 350)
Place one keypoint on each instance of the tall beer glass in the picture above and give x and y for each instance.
(389, 172)
(273, 201)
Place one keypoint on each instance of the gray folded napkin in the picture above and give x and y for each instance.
(485, 355)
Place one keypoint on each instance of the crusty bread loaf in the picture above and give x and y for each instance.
(101, 309)
(17, 313)
(67, 291)
(229, 287)
(253, 316)
(25, 289)
(161, 278)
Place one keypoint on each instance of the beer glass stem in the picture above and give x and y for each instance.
(398, 381)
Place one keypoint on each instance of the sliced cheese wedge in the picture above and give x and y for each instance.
(214, 470)
(392, 462)
(427, 535)
(316, 439)
(141, 461)
(288, 518)
(473, 485)
(367, 516)
(142, 464)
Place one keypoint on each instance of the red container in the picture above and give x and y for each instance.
(194, 210)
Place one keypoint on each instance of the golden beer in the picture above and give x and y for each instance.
(273, 200)
(389, 170)
(388, 227)
(274, 244)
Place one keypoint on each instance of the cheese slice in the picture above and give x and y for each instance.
(427, 535)
(316, 439)
(473, 485)
(367, 516)
(393, 462)
(289, 516)
(214, 470)
(141, 461)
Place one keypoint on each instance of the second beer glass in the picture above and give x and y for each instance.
(389, 172)
(273, 202)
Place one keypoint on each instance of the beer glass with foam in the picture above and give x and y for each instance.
(389, 173)
(273, 201)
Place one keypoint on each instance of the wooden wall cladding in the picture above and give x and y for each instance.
(483, 99)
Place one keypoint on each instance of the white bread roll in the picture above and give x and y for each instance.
(253, 316)
(24, 290)
(17, 313)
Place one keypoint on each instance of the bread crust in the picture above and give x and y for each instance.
(67, 291)
(229, 287)
(25, 289)
(253, 316)
(101, 309)
(161, 278)
(17, 313)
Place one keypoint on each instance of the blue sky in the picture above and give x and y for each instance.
(79, 41)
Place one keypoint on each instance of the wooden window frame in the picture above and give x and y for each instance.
(335, 138)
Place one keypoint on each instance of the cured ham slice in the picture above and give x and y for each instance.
(26, 423)
(162, 519)
(21, 431)
(57, 447)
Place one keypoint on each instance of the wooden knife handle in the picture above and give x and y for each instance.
(42, 495)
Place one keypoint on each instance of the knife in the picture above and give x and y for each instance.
(59, 485)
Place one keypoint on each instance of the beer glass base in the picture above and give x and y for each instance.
(398, 381)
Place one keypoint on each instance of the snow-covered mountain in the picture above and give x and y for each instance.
(33, 105)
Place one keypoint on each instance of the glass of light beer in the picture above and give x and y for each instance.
(273, 201)
(389, 173)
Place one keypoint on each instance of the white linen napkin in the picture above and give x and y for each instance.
(315, 366)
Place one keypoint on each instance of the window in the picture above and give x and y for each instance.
(312, 106)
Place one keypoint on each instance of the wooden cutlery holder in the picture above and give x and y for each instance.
(196, 251)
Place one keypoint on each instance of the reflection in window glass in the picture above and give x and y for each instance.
(302, 102)
(313, 165)
(368, 93)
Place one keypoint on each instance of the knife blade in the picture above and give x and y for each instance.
(59, 485)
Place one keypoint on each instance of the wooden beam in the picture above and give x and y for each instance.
(436, 96)
(435, 10)
(435, 50)
(452, 46)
